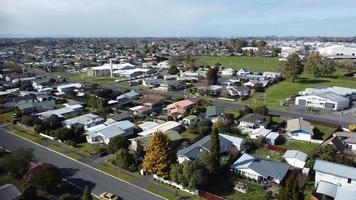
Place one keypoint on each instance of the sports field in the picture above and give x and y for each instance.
(256, 64)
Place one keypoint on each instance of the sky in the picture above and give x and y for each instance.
(177, 18)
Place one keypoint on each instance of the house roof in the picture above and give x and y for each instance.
(180, 104)
(326, 188)
(194, 150)
(152, 99)
(295, 154)
(148, 125)
(335, 169)
(299, 124)
(252, 118)
(212, 111)
(339, 144)
(190, 117)
(262, 131)
(84, 119)
(264, 167)
(345, 192)
(167, 126)
(272, 136)
(47, 105)
(111, 130)
(9, 192)
(172, 135)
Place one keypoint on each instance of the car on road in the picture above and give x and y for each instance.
(108, 196)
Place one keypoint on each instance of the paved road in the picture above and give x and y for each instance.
(77, 173)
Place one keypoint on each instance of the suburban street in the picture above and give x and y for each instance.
(77, 173)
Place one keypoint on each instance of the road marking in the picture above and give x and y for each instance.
(83, 164)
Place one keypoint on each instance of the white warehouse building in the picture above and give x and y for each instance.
(325, 100)
(338, 50)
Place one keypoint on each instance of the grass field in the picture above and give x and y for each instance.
(24, 133)
(117, 173)
(280, 91)
(325, 130)
(256, 192)
(305, 147)
(256, 64)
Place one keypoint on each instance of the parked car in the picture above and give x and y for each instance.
(108, 196)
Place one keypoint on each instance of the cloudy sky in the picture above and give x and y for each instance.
(132, 18)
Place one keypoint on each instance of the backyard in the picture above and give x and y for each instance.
(305, 147)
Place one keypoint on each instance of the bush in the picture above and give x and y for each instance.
(118, 142)
(123, 159)
(44, 176)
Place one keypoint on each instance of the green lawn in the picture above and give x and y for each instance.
(189, 135)
(256, 192)
(256, 64)
(87, 148)
(117, 173)
(59, 149)
(305, 147)
(25, 134)
(163, 190)
(325, 130)
(5, 117)
(277, 93)
(235, 112)
(264, 153)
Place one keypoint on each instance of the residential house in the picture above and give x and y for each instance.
(295, 158)
(68, 87)
(274, 138)
(148, 125)
(190, 120)
(260, 169)
(252, 120)
(299, 129)
(335, 180)
(228, 71)
(227, 143)
(61, 112)
(243, 72)
(86, 121)
(214, 113)
(9, 192)
(103, 133)
(34, 106)
(260, 132)
(179, 107)
(166, 126)
(347, 138)
(154, 102)
(139, 144)
(127, 97)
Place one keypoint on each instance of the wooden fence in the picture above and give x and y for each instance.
(209, 196)
(275, 148)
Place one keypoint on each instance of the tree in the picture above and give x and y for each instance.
(245, 110)
(291, 188)
(62, 134)
(160, 155)
(18, 162)
(203, 127)
(319, 66)
(329, 153)
(212, 75)
(263, 110)
(87, 194)
(190, 175)
(347, 65)
(173, 70)
(118, 142)
(215, 148)
(123, 159)
(44, 176)
(292, 68)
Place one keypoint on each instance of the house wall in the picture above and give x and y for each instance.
(337, 180)
(182, 159)
(295, 162)
(317, 102)
(299, 135)
(249, 173)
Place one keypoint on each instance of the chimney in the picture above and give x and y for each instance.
(111, 74)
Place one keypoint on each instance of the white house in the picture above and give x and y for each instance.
(228, 71)
(243, 72)
(295, 158)
(61, 112)
(260, 169)
(103, 133)
(86, 121)
(68, 87)
(299, 129)
(167, 126)
(335, 180)
(325, 100)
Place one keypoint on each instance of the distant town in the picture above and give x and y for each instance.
(178, 118)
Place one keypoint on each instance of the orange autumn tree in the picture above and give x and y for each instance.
(160, 155)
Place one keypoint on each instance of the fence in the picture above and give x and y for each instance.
(209, 196)
(275, 148)
(174, 184)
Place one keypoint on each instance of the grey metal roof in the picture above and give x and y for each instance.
(252, 118)
(327, 188)
(265, 167)
(335, 169)
(9, 192)
(332, 96)
(345, 192)
(295, 154)
(84, 119)
(212, 111)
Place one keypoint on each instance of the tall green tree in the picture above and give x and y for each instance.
(118, 142)
(263, 110)
(160, 155)
(215, 147)
(319, 66)
(291, 188)
(292, 68)
(212, 76)
(87, 194)
(44, 176)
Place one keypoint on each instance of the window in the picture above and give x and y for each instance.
(349, 180)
